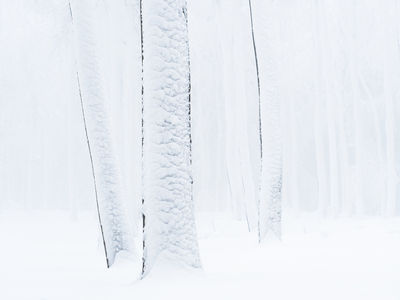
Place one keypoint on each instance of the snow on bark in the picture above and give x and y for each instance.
(270, 203)
(391, 64)
(169, 225)
(114, 229)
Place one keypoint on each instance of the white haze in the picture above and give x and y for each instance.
(338, 83)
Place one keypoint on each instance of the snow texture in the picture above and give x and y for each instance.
(338, 80)
(353, 259)
(270, 204)
(169, 225)
(115, 232)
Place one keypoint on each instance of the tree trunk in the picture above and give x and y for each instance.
(168, 208)
(114, 230)
(264, 41)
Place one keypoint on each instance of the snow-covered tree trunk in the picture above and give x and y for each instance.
(168, 208)
(257, 68)
(265, 43)
(114, 229)
(391, 64)
(358, 203)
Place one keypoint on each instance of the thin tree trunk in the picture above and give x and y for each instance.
(258, 79)
(110, 210)
(259, 114)
(391, 60)
(355, 84)
(142, 100)
(270, 203)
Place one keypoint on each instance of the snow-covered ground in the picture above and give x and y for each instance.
(50, 256)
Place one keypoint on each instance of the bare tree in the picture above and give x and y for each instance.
(114, 230)
(270, 200)
(168, 208)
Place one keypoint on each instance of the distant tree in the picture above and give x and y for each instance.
(270, 203)
(114, 230)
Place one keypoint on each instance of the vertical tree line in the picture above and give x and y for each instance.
(168, 226)
(169, 233)
(110, 209)
(270, 200)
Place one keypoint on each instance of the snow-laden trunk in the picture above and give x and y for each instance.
(265, 41)
(114, 229)
(257, 69)
(168, 208)
(390, 66)
(358, 203)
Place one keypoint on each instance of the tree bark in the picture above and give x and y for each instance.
(168, 208)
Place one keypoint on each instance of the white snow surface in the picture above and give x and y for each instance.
(51, 257)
